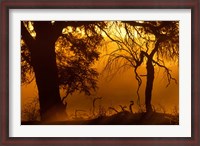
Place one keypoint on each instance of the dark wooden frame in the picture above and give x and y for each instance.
(112, 4)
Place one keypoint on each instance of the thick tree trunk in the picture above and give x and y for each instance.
(44, 65)
(149, 85)
(43, 60)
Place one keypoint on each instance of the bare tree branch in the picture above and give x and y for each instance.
(169, 76)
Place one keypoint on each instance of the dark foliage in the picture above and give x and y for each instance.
(40, 51)
(76, 52)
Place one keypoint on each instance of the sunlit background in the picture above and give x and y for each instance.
(114, 90)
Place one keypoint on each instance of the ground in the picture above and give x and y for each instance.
(121, 118)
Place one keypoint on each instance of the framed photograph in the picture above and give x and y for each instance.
(100, 73)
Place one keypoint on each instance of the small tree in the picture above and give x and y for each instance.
(151, 43)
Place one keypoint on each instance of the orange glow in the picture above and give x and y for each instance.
(119, 88)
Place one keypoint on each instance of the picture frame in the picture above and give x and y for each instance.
(89, 4)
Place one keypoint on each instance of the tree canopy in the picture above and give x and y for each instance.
(76, 52)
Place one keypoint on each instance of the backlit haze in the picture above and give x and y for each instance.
(118, 90)
(115, 90)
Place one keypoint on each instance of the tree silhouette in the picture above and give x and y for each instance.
(152, 43)
(61, 55)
